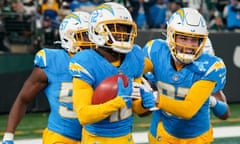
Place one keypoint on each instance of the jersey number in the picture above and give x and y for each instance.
(121, 114)
(171, 91)
(66, 98)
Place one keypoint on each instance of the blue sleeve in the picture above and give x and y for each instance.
(138, 61)
(216, 72)
(78, 68)
(147, 48)
(40, 59)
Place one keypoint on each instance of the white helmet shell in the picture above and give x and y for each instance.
(73, 29)
(107, 15)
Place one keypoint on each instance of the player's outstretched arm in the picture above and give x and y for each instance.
(147, 95)
(34, 84)
(202, 88)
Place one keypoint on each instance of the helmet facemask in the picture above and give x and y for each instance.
(117, 35)
(82, 39)
(73, 32)
(79, 40)
(183, 53)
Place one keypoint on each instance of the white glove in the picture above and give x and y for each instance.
(136, 90)
(146, 86)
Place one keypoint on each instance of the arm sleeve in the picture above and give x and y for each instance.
(138, 108)
(82, 102)
(188, 107)
(40, 59)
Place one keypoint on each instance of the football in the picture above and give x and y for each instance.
(107, 89)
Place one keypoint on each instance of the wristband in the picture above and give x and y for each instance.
(8, 136)
(220, 108)
(213, 101)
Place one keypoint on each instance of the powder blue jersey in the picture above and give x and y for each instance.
(94, 69)
(176, 84)
(62, 119)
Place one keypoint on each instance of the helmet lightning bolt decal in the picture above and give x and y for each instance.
(181, 13)
(216, 66)
(74, 16)
(107, 7)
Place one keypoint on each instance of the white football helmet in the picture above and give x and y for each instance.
(186, 22)
(73, 32)
(111, 26)
(208, 47)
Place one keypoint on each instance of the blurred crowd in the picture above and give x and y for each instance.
(36, 21)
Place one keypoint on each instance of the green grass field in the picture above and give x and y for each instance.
(33, 124)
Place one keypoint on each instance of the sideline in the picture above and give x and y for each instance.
(141, 137)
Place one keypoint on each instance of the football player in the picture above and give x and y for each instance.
(185, 78)
(112, 29)
(51, 74)
(218, 101)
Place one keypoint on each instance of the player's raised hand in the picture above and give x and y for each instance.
(148, 99)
